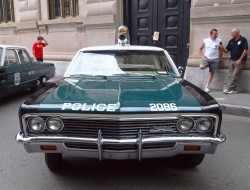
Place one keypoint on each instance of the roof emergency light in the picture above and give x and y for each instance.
(123, 36)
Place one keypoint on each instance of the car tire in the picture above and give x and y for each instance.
(39, 85)
(53, 160)
(188, 160)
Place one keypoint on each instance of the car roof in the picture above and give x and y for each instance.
(119, 47)
(11, 46)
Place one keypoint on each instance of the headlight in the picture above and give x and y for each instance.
(54, 124)
(185, 124)
(36, 124)
(204, 124)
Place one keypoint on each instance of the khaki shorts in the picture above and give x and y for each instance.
(212, 64)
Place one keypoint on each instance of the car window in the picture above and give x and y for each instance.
(112, 62)
(10, 57)
(1, 55)
(23, 56)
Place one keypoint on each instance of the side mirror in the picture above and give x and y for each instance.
(181, 71)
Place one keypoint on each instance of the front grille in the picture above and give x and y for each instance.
(118, 129)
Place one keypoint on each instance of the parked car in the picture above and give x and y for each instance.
(121, 102)
(19, 70)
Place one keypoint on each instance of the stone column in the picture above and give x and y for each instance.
(101, 21)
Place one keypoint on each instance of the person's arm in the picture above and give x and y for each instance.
(45, 42)
(200, 51)
(33, 49)
(225, 50)
(220, 50)
(244, 53)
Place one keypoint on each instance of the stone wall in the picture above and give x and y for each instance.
(223, 15)
(95, 25)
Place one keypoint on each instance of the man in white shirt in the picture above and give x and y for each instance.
(211, 56)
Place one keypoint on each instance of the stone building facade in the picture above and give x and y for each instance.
(95, 24)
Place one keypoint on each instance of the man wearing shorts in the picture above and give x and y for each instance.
(211, 56)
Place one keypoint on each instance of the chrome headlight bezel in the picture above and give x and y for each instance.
(51, 121)
(38, 119)
(185, 119)
(198, 125)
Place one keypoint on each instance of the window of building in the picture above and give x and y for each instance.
(63, 8)
(7, 11)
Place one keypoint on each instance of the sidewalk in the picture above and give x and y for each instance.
(233, 104)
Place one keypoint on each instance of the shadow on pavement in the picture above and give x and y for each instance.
(20, 96)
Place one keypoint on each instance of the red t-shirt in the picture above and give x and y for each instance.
(38, 49)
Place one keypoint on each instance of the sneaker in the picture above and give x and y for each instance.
(206, 89)
(225, 91)
(232, 92)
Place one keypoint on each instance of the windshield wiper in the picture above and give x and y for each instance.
(86, 75)
(140, 74)
(162, 72)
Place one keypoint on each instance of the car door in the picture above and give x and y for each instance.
(3, 75)
(28, 69)
(13, 70)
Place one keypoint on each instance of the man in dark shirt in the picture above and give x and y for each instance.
(238, 47)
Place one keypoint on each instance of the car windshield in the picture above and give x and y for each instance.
(121, 62)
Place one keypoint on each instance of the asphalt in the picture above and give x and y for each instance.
(233, 104)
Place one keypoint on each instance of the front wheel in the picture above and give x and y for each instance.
(188, 160)
(53, 160)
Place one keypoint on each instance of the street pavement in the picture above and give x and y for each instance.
(233, 104)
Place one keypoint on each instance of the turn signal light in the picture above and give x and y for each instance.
(48, 147)
(192, 148)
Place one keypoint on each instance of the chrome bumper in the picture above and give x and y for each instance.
(208, 145)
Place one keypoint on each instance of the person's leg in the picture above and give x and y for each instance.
(235, 75)
(204, 64)
(230, 70)
(213, 67)
(230, 73)
(39, 59)
(210, 78)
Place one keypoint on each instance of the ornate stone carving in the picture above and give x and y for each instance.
(43, 30)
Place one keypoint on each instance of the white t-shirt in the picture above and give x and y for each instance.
(212, 48)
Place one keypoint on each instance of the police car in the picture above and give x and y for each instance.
(19, 70)
(121, 102)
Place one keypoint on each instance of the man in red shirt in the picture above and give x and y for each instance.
(38, 48)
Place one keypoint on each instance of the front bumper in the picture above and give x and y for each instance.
(207, 145)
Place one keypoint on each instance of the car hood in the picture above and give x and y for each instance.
(138, 94)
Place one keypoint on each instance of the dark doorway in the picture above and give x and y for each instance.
(171, 18)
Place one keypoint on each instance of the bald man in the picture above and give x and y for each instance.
(237, 47)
